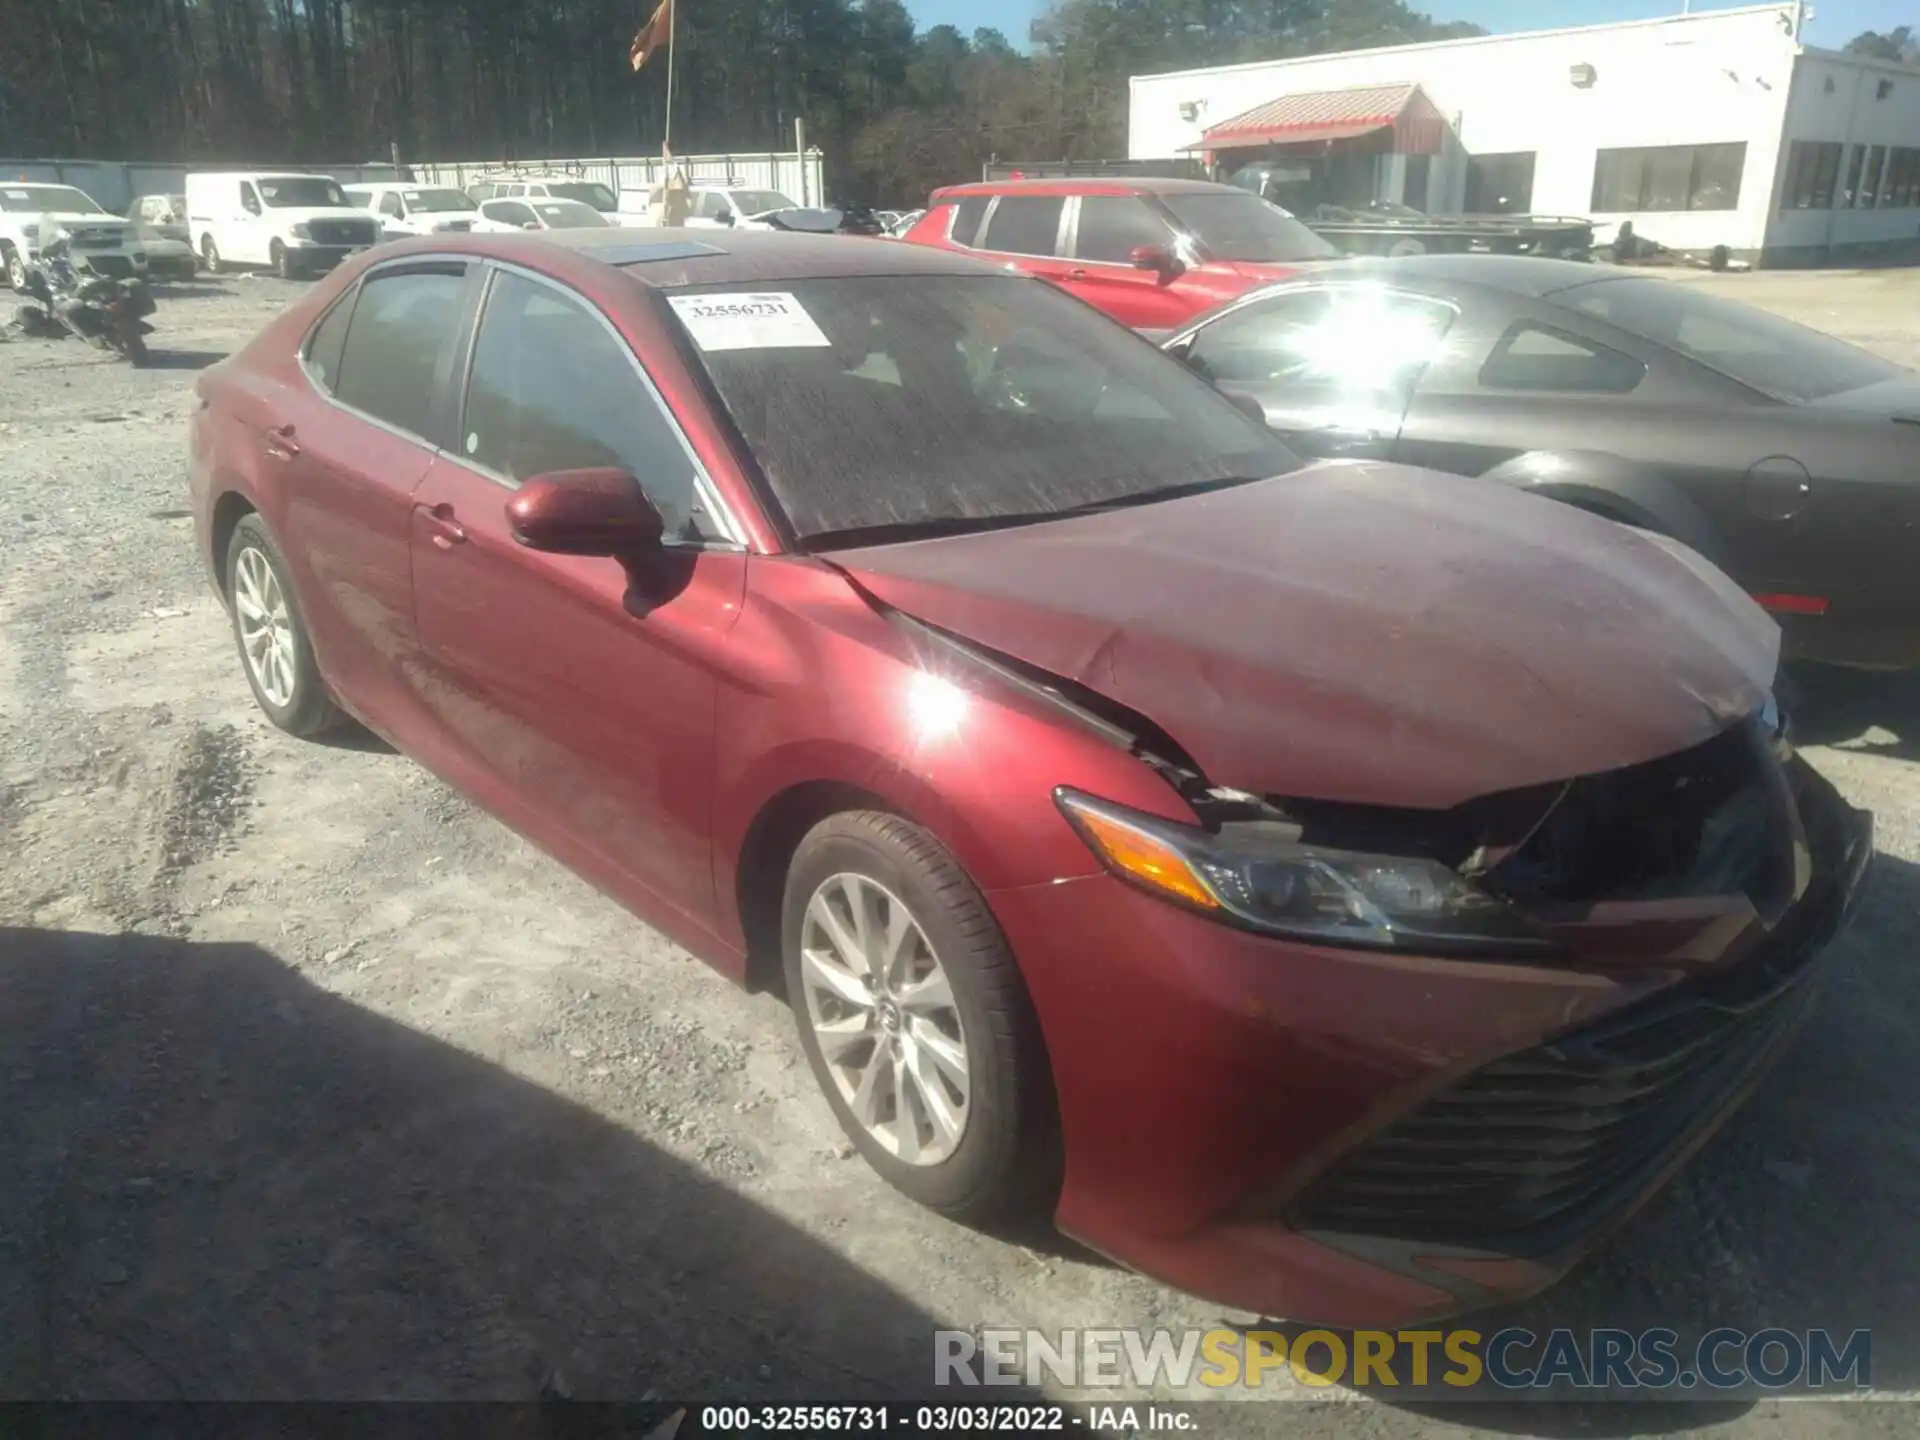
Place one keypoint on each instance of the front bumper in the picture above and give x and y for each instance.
(1218, 1090)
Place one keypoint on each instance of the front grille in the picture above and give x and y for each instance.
(83, 239)
(1525, 1155)
(341, 232)
(457, 225)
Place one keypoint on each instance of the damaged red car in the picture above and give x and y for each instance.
(1341, 890)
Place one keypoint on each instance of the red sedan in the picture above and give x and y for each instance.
(1151, 253)
(1343, 890)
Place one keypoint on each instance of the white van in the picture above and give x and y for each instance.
(405, 209)
(298, 224)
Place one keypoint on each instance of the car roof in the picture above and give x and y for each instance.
(667, 259)
(1088, 185)
(1527, 275)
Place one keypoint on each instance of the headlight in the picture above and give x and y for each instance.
(30, 232)
(301, 231)
(1257, 877)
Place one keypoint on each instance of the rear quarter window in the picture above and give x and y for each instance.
(1540, 358)
(327, 340)
(967, 215)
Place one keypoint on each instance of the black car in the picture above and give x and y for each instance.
(1789, 458)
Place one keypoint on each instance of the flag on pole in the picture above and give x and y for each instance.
(654, 35)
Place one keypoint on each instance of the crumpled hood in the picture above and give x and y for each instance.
(1362, 632)
(80, 220)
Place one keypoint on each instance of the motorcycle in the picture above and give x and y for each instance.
(108, 314)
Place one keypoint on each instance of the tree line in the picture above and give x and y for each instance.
(897, 110)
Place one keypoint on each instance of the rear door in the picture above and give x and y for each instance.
(1332, 366)
(586, 719)
(1029, 232)
(1103, 233)
(349, 447)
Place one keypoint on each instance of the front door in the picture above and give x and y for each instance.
(590, 722)
(1332, 367)
(1107, 229)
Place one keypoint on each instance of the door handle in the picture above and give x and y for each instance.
(440, 525)
(280, 442)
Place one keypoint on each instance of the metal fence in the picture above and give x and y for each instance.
(797, 175)
(117, 184)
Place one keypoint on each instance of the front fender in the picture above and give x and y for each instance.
(1620, 489)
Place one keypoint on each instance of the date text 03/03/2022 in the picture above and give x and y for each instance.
(909, 1418)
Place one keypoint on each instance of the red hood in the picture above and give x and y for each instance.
(1262, 272)
(1362, 632)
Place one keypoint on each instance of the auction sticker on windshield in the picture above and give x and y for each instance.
(775, 321)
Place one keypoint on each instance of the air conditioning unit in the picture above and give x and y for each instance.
(1582, 76)
(1190, 110)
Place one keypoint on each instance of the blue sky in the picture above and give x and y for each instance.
(1835, 21)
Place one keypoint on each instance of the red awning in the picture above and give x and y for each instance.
(1417, 124)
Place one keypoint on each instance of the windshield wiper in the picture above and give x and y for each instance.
(895, 532)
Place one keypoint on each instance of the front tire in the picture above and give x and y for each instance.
(915, 1018)
(210, 254)
(17, 273)
(275, 650)
(283, 264)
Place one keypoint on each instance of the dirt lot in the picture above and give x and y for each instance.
(319, 1083)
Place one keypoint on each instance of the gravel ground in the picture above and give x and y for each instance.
(318, 1083)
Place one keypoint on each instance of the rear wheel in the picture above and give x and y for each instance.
(275, 649)
(915, 1019)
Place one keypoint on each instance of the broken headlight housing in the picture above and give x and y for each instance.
(1260, 876)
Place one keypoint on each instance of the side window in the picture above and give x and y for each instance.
(509, 212)
(402, 326)
(1352, 341)
(710, 205)
(1025, 225)
(967, 216)
(1534, 357)
(553, 388)
(1112, 227)
(327, 341)
(390, 205)
(249, 199)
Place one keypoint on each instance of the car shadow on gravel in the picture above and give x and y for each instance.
(1869, 712)
(183, 359)
(1798, 1214)
(224, 1182)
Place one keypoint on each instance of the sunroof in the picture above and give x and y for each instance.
(660, 250)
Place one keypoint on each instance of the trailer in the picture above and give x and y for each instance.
(1372, 232)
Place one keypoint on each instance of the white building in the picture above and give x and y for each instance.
(1708, 129)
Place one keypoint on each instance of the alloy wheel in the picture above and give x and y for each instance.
(879, 1003)
(266, 627)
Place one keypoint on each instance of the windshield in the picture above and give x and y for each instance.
(586, 192)
(28, 199)
(436, 200)
(301, 192)
(1245, 227)
(759, 202)
(881, 405)
(567, 214)
(1774, 356)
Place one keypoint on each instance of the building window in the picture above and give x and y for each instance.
(1902, 188)
(1813, 173)
(1669, 177)
(1500, 184)
(1866, 194)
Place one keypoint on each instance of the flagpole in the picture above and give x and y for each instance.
(673, 54)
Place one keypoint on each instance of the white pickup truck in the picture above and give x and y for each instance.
(32, 215)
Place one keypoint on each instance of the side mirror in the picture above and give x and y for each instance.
(529, 224)
(585, 512)
(1157, 258)
(726, 217)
